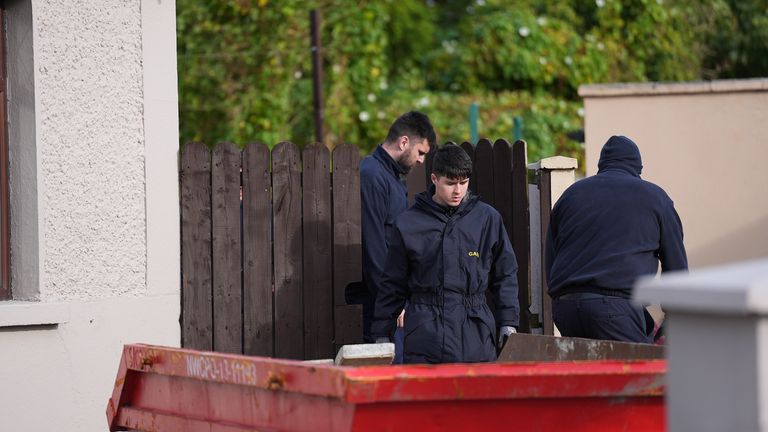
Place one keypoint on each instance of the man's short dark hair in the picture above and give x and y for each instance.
(452, 161)
(412, 124)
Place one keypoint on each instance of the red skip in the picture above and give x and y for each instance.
(170, 389)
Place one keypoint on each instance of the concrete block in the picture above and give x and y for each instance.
(366, 354)
(323, 362)
(717, 346)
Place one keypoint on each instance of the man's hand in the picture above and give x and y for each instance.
(401, 319)
(504, 333)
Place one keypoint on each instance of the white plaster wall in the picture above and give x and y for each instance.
(59, 378)
(107, 237)
(704, 143)
(90, 137)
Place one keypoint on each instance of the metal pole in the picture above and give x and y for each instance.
(474, 113)
(518, 128)
(317, 73)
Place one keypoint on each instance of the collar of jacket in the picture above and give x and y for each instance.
(386, 160)
(425, 203)
(619, 170)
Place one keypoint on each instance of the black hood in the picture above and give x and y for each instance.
(620, 153)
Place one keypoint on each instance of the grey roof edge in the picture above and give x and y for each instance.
(673, 88)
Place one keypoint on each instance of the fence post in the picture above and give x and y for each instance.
(521, 231)
(552, 176)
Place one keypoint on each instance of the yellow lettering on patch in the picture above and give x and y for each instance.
(474, 254)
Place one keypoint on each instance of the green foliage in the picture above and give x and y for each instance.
(237, 62)
(732, 36)
(245, 66)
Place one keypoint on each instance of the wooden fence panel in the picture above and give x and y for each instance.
(318, 258)
(428, 167)
(483, 171)
(415, 182)
(258, 317)
(502, 182)
(420, 177)
(521, 237)
(258, 280)
(196, 309)
(347, 255)
(289, 306)
(227, 288)
(470, 149)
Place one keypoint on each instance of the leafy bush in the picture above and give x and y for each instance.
(245, 66)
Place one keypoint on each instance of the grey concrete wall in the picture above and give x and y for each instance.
(704, 143)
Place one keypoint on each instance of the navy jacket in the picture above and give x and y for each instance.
(442, 262)
(608, 229)
(383, 196)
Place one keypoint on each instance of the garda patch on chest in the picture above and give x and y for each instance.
(475, 254)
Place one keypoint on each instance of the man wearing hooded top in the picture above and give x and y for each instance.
(604, 232)
(444, 253)
(383, 197)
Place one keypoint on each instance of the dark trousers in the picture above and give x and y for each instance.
(399, 339)
(368, 308)
(368, 305)
(597, 316)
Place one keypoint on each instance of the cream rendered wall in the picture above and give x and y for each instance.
(98, 236)
(705, 144)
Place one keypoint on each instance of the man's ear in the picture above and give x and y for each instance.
(402, 142)
(433, 177)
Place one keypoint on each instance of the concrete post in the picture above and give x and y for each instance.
(553, 176)
(562, 172)
(717, 346)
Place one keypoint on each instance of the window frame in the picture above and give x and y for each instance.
(5, 288)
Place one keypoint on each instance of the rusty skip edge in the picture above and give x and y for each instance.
(114, 402)
(392, 383)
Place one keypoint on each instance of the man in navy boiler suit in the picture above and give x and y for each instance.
(384, 196)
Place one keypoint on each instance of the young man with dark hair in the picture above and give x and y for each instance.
(444, 253)
(384, 196)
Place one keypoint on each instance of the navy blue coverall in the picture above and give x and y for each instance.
(442, 261)
(604, 232)
(383, 197)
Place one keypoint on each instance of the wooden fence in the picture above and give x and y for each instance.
(264, 273)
